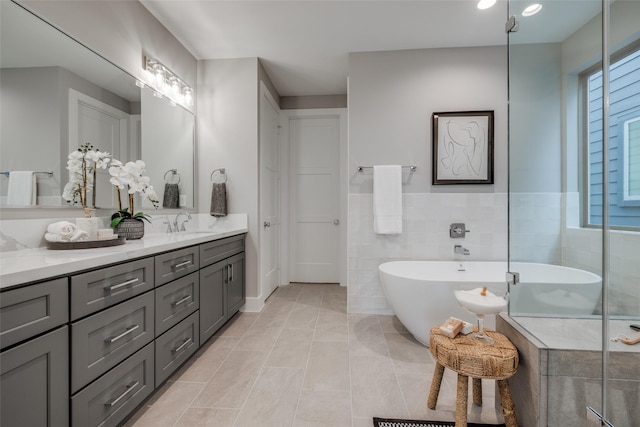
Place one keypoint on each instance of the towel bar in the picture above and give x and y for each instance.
(174, 172)
(222, 172)
(411, 168)
(49, 173)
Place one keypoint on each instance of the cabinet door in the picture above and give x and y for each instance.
(235, 285)
(29, 311)
(35, 382)
(212, 299)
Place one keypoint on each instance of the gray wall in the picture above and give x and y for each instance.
(121, 31)
(393, 94)
(227, 129)
(535, 147)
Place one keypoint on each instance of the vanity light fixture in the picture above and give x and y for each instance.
(167, 84)
(532, 9)
(486, 4)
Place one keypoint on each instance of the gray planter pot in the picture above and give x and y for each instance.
(130, 228)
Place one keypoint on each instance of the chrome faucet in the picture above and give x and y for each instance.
(459, 249)
(168, 222)
(175, 222)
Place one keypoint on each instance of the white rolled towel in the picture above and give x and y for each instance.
(78, 236)
(63, 228)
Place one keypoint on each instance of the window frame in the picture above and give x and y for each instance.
(583, 102)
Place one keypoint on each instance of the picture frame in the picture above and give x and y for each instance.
(462, 147)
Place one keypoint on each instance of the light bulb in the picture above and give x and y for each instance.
(188, 97)
(486, 4)
(532, 9)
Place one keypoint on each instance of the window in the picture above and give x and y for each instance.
(624, 142)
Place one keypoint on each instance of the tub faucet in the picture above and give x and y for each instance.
(459, 249)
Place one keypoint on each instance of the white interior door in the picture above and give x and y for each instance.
(269, 194)
(315, 203)
(106, 128)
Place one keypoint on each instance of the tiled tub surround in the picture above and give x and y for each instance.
(536, 235)
(425, 236)
(560, 371)
(24, 257)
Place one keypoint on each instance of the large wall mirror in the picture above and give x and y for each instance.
(56, 95)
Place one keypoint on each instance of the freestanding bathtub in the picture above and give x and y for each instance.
(420, 293)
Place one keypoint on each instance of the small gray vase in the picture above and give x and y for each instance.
(130, 228)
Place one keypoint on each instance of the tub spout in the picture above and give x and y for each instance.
(459, 249)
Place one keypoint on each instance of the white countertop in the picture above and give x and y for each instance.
(34, 264)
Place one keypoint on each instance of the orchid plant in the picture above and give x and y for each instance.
(129, 177)
(83, 164)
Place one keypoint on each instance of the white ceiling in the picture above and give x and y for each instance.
(304, 44)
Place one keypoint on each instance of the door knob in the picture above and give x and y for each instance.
(336, 222)
(267, 224)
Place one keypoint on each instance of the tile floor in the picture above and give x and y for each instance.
(303, 361)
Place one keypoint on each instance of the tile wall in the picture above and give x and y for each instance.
(425, 236)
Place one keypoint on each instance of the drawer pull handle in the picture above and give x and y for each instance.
(123, 284)
(130, 329)
(115, 401)
(182, 264)
(185, 343)
(181, 301)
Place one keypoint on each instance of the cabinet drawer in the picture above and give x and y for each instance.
(220, 249)
(175, 301)
(93, 291)
(34, 382)
(176, 264)
(31, 310)
(176, 346)
(105, 339)
(109, 400)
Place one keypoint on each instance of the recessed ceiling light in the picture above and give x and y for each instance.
(532, 10)
(486, 4)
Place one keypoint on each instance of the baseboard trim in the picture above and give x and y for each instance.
(253, 305)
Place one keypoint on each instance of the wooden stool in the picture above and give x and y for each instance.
(469, 358)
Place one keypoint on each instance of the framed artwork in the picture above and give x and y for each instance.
(462, 147)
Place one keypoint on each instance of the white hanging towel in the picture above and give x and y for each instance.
(387, 199)
(22, 188)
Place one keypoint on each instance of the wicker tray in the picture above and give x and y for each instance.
(86, 245)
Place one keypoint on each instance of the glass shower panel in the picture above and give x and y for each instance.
(622, 228)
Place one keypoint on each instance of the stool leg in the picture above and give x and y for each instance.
(477, 391)
(461, 400)
(435, 386)
(508, 408)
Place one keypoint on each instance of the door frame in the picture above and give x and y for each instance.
(264, 92)
(287, 180)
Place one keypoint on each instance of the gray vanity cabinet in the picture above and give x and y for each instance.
(112, 397)
(31, 310)
(88, 349)
(235, 285)
(34, 379)
(106, 287)
(222, 290)
(34, 362)
(175, 264)
(102, 340)
(212, 296)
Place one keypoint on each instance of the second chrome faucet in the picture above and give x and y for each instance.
(173, 226)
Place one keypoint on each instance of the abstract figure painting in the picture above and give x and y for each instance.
(462, 149)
